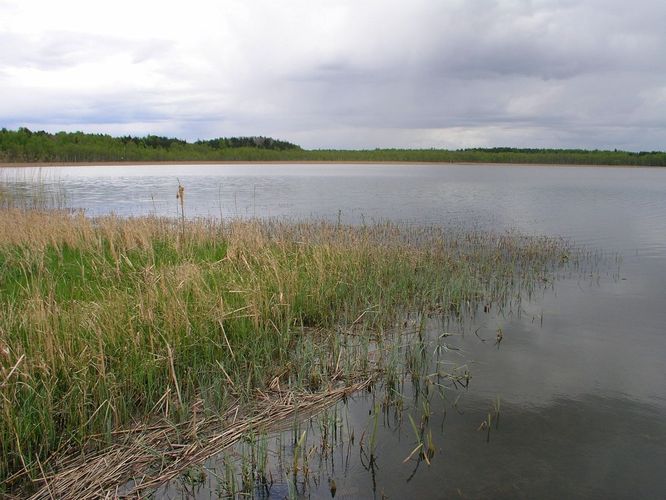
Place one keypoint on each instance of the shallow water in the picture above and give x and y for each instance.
(581, 371)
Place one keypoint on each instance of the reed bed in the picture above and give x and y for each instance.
(111, 324)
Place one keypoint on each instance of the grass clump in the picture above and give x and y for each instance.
(107, 322)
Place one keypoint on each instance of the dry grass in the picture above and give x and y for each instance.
(106, 324)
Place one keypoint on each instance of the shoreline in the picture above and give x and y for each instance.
(301, 162)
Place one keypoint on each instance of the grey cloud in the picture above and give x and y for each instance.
(480, 78)
(544, 73)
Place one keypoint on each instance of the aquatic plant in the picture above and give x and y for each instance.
(110, 325)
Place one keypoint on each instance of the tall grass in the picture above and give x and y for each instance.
(104, 322)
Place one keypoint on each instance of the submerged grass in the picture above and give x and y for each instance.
(108, 322)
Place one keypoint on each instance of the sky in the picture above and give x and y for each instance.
(342, 73)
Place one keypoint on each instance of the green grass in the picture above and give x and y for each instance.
(105, 322)
(24, 145)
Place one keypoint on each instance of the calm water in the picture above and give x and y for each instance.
(582, 388)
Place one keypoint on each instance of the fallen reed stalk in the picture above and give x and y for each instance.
(153, 456)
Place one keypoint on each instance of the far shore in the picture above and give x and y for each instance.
(299, 162)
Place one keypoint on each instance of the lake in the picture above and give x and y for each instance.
(581, 370)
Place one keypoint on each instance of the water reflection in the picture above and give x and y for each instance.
(472, 417)
(534, 452)
(581, 369)
(616, 208)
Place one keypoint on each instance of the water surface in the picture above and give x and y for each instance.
(581, 371)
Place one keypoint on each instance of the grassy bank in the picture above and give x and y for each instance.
(107, 322)
(25, 146)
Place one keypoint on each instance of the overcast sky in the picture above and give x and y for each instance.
(342, 73)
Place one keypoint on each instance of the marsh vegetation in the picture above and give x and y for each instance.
(132, 347)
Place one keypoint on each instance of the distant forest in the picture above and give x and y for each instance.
(24, 145)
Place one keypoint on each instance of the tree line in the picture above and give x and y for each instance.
(24, 145)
